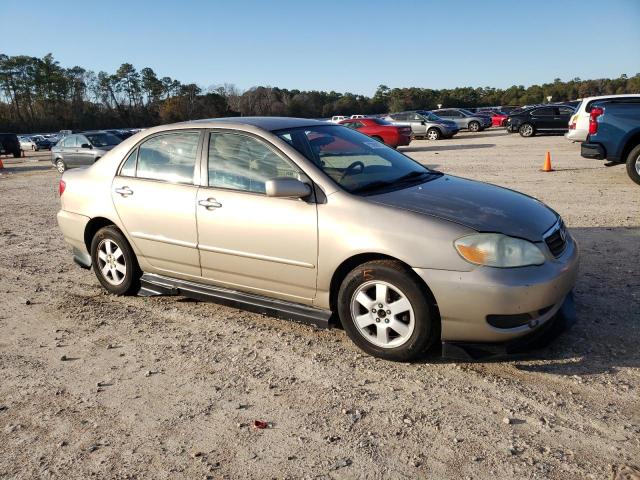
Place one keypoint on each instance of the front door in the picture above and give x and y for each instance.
(155, 196)
(543, 118)
(247, 240)
(70, 151)
(84, 153)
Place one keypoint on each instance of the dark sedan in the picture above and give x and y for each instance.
(540, 119)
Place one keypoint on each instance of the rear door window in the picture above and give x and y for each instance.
(543, 112)
(170, 157)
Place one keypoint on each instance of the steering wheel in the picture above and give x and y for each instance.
(350, 169)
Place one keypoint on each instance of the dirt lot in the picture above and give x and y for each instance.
(169, 388)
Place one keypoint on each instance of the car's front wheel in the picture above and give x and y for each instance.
(433, 134)
(633, 164)
(526, 130)
(386, 312)
(114, 262)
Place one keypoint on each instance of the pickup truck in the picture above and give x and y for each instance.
(614, 134)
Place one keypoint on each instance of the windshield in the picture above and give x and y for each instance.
(356, 162)
(103, 139)
(429, 116)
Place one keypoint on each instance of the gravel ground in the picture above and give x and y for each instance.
(98, 386)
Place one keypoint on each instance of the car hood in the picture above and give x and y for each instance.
(480, 206)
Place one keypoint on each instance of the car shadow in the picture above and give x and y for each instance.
(464, 135)
(604, 337)
(25, 168)
(442, 148)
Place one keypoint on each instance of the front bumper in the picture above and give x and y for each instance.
(468, 301)
(468, 351)
(593, 150)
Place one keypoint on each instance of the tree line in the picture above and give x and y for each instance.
(39, 95)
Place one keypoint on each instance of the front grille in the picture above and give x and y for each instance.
(556, 240)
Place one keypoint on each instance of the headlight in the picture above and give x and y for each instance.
(497, 250)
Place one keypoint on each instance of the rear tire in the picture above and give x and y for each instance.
(526, 130)
(633, 164)
(17, 154)
(433, 134)
(114, 262)
(60, 166)
(386, 312)
(474, 126)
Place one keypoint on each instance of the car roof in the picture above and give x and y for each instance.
(265, 123)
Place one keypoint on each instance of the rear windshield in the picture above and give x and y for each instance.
(380, 121)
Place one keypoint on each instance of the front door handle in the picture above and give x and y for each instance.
(210, 203)
(124, 191)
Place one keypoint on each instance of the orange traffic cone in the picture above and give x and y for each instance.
(1, 165)
(547, 163)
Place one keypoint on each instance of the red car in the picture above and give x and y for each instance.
(381, 130)
(498, 119)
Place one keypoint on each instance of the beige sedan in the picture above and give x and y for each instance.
(316, 222)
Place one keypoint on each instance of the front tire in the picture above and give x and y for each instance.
(526, 130)
(114, 262)
(633, 164)
(474, 126)
(386, 312)
(433, 134)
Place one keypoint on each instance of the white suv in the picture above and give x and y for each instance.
(579, 121)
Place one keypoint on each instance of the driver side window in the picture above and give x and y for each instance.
(241, 162)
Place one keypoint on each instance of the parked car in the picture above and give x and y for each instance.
(498, 118)
(424, 124)
(42, 142)
(300, 219)
(383, 131)
(338, 118)
(358, 116)
(579, 121)
(540, 119)
(614, 134)
(464, 118)
(10, 144)
(122, 134)
(26, 143)
(80, 149)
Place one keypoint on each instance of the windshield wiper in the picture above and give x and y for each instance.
(409, 177)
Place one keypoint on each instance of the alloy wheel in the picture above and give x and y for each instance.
(382, 314)
(60, 166)
(527, 130)
(432, 135)
(111, 262)
(638, 164)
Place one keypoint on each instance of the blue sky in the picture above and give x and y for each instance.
(335, 45)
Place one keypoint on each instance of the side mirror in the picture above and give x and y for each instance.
(423, 122)
(85, 145)
(286, 187)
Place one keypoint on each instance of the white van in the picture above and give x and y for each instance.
(579, 121)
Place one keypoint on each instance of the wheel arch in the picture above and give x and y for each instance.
(92, 228)
(631, 143)
(352, 262)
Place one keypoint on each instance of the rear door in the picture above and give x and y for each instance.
(70, 151)
(155, 194)
(247, 240)
(563, 117)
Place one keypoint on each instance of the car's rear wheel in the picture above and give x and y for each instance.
(60, 165)
(114, 262)
(386, 312)
(474, 126)
(527, 130)
(433, 134)
(17, 154)
(633, 164)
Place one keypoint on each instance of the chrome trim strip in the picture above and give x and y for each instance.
(256, 256)
(163, 239)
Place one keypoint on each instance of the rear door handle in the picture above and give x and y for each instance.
(210, 203)
(124, 191)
